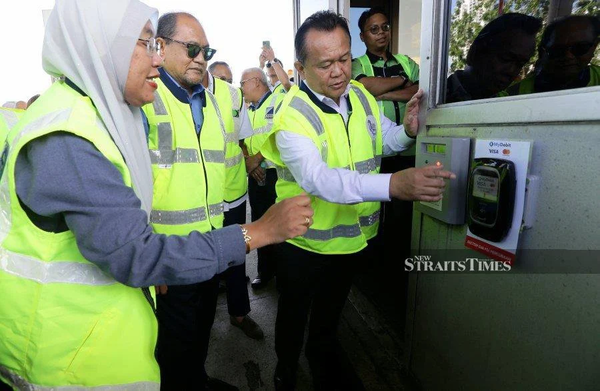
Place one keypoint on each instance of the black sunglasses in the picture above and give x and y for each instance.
(577, 49)
(194, 49)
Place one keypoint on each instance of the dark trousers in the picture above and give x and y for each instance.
(315, 283)
(261, 198)
(238, 301)
(396, 225)
(185, 316)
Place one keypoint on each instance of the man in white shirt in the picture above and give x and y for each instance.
(327, 140)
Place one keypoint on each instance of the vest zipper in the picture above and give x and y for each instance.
(348, 134)
(206, 182)
(148, 296)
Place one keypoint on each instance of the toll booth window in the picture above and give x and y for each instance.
(515, 47)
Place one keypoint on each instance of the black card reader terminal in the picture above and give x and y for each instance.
(492, 187)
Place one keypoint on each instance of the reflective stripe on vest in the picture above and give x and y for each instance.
(370, 117)
(236, 104)
(340, 231)
(22, 384)
(284, 174)
(369, 165)
(214, 156)
(313, 118)
(232, 137)
(52, 272)
(10, 117)
(366, 221)
(178, 217)
(233, 161)
(168, 156)
(309, 113)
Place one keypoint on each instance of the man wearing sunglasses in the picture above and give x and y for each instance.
(565, 52)
(187, 143)
(238, 127)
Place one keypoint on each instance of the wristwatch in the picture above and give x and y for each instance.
(270, 62)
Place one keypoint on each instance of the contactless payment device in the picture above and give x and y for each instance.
(491, 198)
(454, 154)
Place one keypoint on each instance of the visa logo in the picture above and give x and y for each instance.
(493, 150)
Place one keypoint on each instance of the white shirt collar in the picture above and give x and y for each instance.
(326, 99)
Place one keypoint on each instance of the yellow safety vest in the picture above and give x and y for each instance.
(262, 122)
(279, 89)
(337, 228)
(189, 171)
(230, 104)
(411, 68)
(63, 321)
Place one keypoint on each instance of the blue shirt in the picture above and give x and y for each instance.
(196, 100)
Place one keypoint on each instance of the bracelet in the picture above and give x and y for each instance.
(247, 238)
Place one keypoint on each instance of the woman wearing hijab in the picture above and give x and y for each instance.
(75, 195)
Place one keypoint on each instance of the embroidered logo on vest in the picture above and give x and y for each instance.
(372, 126)
(269, 113)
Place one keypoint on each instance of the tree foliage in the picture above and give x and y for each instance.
(466, 25)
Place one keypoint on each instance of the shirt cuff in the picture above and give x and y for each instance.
(376, 187)
(231, 247)
(358, 77)
(404, 139)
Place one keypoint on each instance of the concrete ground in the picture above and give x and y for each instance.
(374, 351)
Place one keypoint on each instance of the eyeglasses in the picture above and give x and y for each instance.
(230, 81)
(577, 49)
(375, 28)
(152, 46)
(194, 49)
(244, 81)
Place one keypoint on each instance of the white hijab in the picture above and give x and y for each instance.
(91, 43)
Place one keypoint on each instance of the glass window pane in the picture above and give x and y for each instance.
(517, 47)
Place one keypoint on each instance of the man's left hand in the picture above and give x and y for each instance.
(411, 115)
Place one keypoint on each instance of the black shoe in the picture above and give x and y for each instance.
(284, 379)
(213, 384)
(256, 283)
(248, 326)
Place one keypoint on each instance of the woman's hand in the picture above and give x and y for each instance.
(282, 221)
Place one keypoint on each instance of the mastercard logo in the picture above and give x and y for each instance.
(506, 151)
